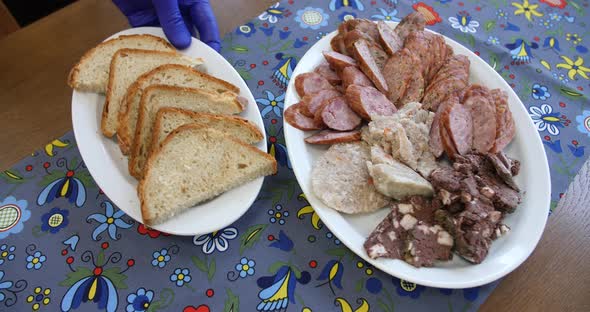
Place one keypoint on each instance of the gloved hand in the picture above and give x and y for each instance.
(178, 18)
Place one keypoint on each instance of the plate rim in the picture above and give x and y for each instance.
(93, 169)
(381, 263)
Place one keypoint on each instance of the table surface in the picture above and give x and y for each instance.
(35, 105)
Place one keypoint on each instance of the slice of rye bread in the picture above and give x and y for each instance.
(126, 66)
(157, 96)
(169, 74)
(91, 73)
(169, 119)
(194, 164)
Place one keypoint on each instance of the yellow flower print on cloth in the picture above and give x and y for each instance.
(574, 67)
(39, 297)
(527, 9)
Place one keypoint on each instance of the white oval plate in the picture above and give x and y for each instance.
(108, 166)
(506, 253)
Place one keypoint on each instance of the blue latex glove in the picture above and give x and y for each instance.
(178, 18)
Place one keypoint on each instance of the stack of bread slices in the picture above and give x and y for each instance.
(176, 124)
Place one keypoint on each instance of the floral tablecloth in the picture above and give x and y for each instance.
(64, 246)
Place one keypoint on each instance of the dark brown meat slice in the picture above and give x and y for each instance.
(333, 137)
(504, 197)
(295, 118)
(435, 142)
(388, 38)
(387, 240)
(337, 115)
(325, 71)
(419, 207)
(415, 88)
(503, 166)
(426, 244)
(368, 101)
(339, 61)
(418, 43)
(370, 62)
(483, 113)
(505, 127)
(308, 83)
(312, 102)
(354, 76)
(412, 22)
(446, 178)
(458, 121)
(397, 68)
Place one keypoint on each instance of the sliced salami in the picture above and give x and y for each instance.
(389, 40)
(312, 102)
(505, 127)
(339, 61)
(483, 113)
(370, 59)
(368, 101)
(333, 137)
(296, 119)
(312, 82)
(458, 122)
(354, 76)
(411, 23)
(337, 115)
(325, 71)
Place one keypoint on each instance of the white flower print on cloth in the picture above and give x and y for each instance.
(217, 240)
(545, 119)
(464, 22)
(272, 14)
(313, 18)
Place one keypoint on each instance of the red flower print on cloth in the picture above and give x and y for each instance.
(143, 230)
(555, 3)
(428, 12)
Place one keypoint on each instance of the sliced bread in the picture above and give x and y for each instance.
(170, 74)
(126, 66)
(168, 119)
(91, 74)
(157, 96)
(195, 164)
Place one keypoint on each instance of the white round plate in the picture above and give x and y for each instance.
(108, 166)
(506, 253)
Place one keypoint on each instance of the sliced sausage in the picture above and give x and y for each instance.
(476, 90)
(339, 61)
(325, 71)
(419, 44)
(337, 43)
(483, 113)
(354, 76)
(396, 70)
(434, 95)
(365, 54)
(457, 120)
(365, 26)
(453, 66)
(312, 102)
(296, 119)
(440, 55)
(352, 37)
(505, 126)
(389, 40)
(333, 137)
(368, 101)
(337, 115)
(415, 88)
(435, 142)
(412, 22)
(311, 82)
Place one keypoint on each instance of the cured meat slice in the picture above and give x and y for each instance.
(368, 101)
(412, 22)
(505, 127)
(476, 90)
(337, 43)
(426, 244)
(418, 42)
(325, 71)
(483, 113)
(339, 61)
(439, 57)
(311, 82)
(312, 102)
(456, 119)
(352, 37)
(415, 88)
(337, 115)
(435, 142)
(387, 239)
(354, 76)
(397, 68)
(295, 118)
(333, 137)
(370, 61)
(388, 38)
(365, 26)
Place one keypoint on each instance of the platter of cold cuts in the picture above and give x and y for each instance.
(416, 154)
